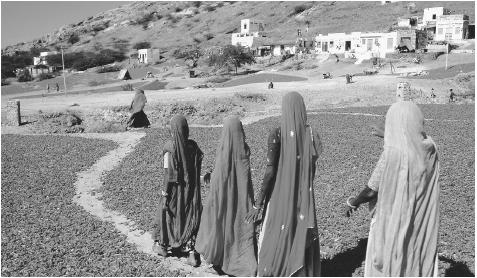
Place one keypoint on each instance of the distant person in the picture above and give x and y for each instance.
(349, 78)
(433, 95)
(57, 87)
(224, 240)
(270, 85)
(138, 118)
(177, 222)
(451, 95)
(403, 233)
(48, 88)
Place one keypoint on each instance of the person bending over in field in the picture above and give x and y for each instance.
(177, 222)
(288, 242)
(138, 118)
(224, 240)
(405, 220)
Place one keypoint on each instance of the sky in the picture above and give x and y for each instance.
(28, 20)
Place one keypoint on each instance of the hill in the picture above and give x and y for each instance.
(170, 25)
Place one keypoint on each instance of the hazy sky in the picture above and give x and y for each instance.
(27, 20)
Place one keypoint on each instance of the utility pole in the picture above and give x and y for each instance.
(447, 53)
(64, 74)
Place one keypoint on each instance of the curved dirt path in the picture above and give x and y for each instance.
(90, 181)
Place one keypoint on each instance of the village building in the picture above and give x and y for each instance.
(148, 55)
(452, 28)
(408, 22)
(430, 15)
(263, 46)
(41, 60)
(370, 44)
(250, 29)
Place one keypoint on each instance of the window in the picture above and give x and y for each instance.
(331, 43)
(434, 16)
(245, 26)
(363, 41)
(318, 44)
(390, 43)
(440, 31)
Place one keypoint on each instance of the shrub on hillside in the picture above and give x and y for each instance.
(210, 8)
(101, 26)
(208, 36)
(145, 19)
(178, 9)
(142, 45)
(196, 4)
(74, 38)
(299, 9)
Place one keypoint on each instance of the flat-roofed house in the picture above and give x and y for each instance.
(452, 28)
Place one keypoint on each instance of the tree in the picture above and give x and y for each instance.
(142, 45)
(191, 55)
(232, 56)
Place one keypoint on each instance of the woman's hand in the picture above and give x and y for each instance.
(254, 215)
(350, 208)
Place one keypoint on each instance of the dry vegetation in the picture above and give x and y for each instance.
(344, 168)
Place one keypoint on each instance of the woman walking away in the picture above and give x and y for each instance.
(177, 222)
(224, 240)
(404, 228)
(138, 117)
(288, 243)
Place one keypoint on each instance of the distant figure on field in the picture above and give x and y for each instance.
(48, 88)
(451, 96)
(270, 85)
(57, 87)
(138, 117)
(433, 95)
(349, 78)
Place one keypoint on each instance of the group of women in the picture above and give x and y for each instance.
(403, 192)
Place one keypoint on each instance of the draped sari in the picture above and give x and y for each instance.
(404, 231)
(138, 118)
(181, 222)
(290, 244)
(224, 239)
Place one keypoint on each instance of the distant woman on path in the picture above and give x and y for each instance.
(138, 118)
(224, 240)
(404, 227)
(177, 222)
(288, 243)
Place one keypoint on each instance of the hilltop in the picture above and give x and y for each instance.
(170, 25)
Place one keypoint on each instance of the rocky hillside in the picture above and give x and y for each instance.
(169, 25)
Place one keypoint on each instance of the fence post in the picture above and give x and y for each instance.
(13, 113)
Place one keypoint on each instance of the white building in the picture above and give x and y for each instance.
(451, 28)
(430, 15)
(249, 29)
(41, 60)
(148, 55)
(373, 44)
